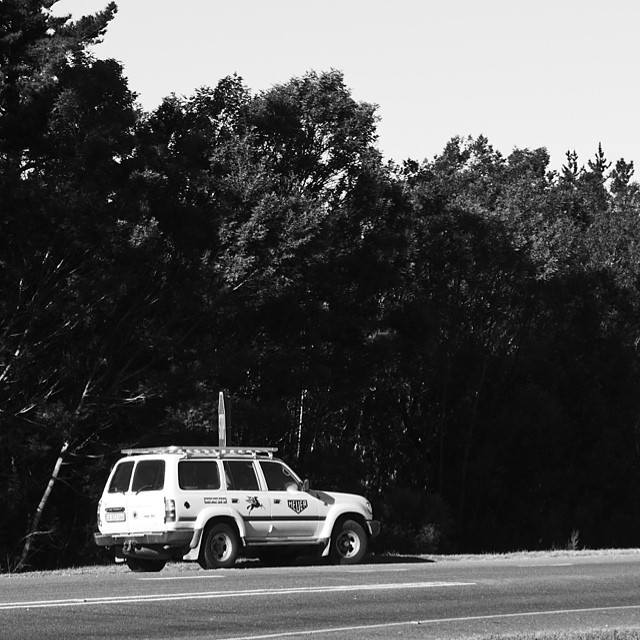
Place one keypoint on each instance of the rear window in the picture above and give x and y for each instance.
(121, 477)
(198, 475)
(149, 476)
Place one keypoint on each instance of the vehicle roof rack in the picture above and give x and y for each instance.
(200, 452)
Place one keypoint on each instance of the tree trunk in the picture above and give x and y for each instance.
(35, 523)
(303, 395)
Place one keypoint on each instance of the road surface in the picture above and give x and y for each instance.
(379, 599)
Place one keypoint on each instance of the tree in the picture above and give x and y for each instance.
(66, 124)
(313, 130)
(37, 51)
(423, 331)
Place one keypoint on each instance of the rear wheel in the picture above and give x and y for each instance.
(145, 564)
(348, 542)
(221, 547)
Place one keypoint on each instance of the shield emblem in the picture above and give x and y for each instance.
(297, 505)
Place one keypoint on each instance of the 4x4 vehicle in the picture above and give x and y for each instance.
(210, 503)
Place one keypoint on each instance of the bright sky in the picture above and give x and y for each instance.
(562, 74)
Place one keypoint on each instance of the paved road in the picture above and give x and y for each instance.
(442, 599)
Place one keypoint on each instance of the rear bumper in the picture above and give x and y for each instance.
(180, 538)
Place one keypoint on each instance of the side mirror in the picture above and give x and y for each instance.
(305, 485)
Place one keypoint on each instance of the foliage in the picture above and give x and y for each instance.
(457, 338)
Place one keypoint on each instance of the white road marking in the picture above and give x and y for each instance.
(382, 570)
(216, 576)
(408, 623)
(538, 566)
(252, 593)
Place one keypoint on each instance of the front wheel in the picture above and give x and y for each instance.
(221, 547)
(144, 564)
(348, 542)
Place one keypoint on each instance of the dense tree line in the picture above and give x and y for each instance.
(457, 338)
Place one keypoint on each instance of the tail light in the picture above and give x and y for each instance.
(169, 510)
(98, 518)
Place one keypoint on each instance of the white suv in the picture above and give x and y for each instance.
(208, 503)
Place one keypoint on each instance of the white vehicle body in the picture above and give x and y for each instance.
(209, 503)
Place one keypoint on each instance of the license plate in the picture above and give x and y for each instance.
(116, 517)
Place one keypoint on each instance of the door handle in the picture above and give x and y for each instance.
(276, 501)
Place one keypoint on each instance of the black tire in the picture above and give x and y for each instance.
(220, 547)
(348, 542)
(145, 564)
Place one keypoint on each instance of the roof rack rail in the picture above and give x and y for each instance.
(198, 452)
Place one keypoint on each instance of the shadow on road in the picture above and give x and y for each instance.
(396, 559)
(311, 561)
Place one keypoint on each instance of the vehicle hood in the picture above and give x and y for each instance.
(334, 497)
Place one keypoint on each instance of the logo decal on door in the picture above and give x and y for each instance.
(254, 503)
(298, 505)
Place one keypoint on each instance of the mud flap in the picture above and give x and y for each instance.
(326, 548)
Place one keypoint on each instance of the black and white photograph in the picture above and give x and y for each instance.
(319, 319)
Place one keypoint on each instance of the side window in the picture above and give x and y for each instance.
(149, 476)
(121, 477)
(278, 477)
(198, 474)
(240, 475)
